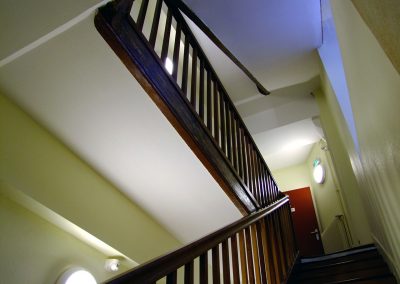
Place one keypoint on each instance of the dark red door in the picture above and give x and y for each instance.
(305, 222)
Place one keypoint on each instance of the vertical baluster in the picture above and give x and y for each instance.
(177, 45)
(249, 252)
(225, 262)
(201, 89)
(239, 148)
(261, 182)
(243, 259)
(209, 102)
(235, 258)
(261, 255)
(278, 241)
(154, 26)
(203, 268)
(185, 65)
(172, 278)
(245, 161)
(167, 31)
(285, 239)
(255, 254)
(250, 166)
(234, 148)
(194, 78)
(269, 261)
(228, 129)
(256, 177)
(222, 115)
(265, 179)
(216, 112)
(215, 265)
(142, 14)
(188, 279)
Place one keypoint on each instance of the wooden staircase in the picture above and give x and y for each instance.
(359, 265)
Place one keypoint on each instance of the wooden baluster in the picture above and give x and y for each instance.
(261, 255)
(285, 239)
(267, 189)
(262, 184)
(172, 277)
(225, 262)
(194, 79)
(188, 279)
(228, 129)
(245, 160)
(255, 254)
(235, 258)
(250, 167)
(268, 253)
(167, 31)
(215, 265)
(216, 113)
(249, 251)
(239, 148)
(256, 177)
(222, 115)
(291, 232)
(243, 259)
(234, 148)
(203, 268)
(175, 58)
(209, 103)
(274, 249)
(276, 226)
(154, 26)
(142, 14)
(201, 90)
(185, 65)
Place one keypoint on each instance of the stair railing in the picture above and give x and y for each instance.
(259, 248)
(154, 41)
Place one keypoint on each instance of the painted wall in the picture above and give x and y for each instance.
(37, 164)
(374, 87)
(43, 250)
(325, 197)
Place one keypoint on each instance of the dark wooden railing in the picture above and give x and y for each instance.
(259, 248)
(154, 32)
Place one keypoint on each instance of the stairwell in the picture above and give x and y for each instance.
(358, 265)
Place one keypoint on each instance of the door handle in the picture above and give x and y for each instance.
(316, 233)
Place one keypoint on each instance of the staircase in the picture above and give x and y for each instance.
(359, 265)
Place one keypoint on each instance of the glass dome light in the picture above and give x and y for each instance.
(76, 275)
(319, 174)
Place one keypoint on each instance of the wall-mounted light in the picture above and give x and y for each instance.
(76, 275)
(169, 65)
(318, 171)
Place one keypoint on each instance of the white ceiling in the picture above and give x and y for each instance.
(276, 41)
(75, 86)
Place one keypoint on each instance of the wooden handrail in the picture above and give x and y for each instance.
(192, 97)
(162, 266)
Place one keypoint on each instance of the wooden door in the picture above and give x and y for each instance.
(305, 222)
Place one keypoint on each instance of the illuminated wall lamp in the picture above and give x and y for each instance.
(318, 172)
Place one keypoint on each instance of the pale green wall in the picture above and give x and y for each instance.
(374, 87)
(41, 249)
(325, 196)
(293, 177)
(37, 164)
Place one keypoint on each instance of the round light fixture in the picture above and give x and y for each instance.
(76, 275)
(318, 172)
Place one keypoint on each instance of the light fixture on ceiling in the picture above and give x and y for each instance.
(169, 65)
(318, 171)
(111, 264)
(76, 275)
